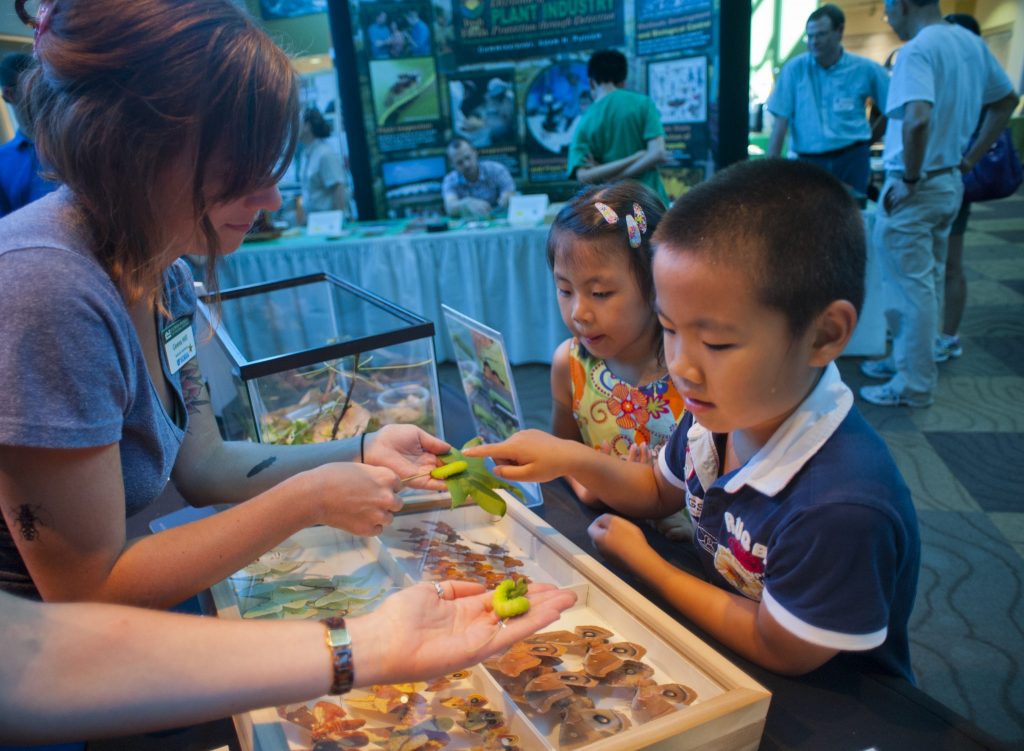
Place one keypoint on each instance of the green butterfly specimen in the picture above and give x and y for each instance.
(477, 481)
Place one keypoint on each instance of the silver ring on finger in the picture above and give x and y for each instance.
(439, 589)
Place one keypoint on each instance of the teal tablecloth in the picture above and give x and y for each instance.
(496, 275)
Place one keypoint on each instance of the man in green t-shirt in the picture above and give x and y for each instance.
(620, 135)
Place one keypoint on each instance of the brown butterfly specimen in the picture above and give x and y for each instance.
(630, 673)
(573, 643)
(465, 703)
(445, 681)
(650, 702)
(591, 725)
(330, 723)
(546, 650)
(516, 686)
(594, 635)
(593, 632)
(543, 691)
(577, 679)
(493, 548)
(601, 661)
(570, 706)
(627, 650)
(513, 662)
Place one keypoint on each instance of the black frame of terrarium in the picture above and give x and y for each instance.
(419, 328)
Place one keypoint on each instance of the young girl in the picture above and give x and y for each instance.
(609, 386)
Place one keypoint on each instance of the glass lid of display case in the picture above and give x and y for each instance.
(295, 321)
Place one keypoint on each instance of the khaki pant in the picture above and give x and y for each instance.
(912, 243)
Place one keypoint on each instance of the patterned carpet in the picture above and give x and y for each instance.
(960, 458)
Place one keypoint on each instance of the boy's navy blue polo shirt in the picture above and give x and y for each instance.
(818, 525)
(20, 178)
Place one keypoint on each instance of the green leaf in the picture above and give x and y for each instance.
(477, 481)
(272, 608)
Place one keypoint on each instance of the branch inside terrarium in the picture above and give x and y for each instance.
(348, 396)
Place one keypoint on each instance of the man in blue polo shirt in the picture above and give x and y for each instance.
(821, 96)
(21, 181)
(474, 188)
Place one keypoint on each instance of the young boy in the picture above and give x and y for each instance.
(804, 526)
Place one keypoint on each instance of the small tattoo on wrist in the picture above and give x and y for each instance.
(261, 466)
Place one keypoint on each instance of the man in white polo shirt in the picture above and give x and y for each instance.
(821, 97)
(943, 77)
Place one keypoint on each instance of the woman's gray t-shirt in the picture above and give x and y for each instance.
(72, 372)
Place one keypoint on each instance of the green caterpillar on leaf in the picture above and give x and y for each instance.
(474, 480)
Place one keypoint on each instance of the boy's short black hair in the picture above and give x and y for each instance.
(791, 225)
(607, 66)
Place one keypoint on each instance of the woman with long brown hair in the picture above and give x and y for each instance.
(168, 123)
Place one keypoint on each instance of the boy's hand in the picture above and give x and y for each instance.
(619, 540)
(528, 456)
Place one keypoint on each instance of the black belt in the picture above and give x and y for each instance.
(834, 152)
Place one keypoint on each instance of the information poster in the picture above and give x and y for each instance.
(403, 75)
(483, 109)
(510, 76)
(486, 376)
(556, 98)
(503, 29)
(273, 10)
(679, 89)
(672, 25)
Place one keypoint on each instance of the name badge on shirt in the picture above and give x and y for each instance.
(843, 104)
(179, 343)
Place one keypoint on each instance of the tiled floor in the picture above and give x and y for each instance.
(963, 459)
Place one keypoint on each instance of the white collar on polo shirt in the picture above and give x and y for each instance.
(798, 439)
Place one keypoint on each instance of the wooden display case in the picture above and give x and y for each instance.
(322, 571)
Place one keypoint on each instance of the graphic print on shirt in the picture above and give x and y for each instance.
(739, 560)
(610, 410)
(694, 490)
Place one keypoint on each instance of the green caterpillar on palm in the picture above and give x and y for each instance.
(509, 598)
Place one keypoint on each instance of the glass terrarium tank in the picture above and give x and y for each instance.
(316, 359)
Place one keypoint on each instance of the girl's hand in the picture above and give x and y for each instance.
(528, 456)
(358, 498)
(619, 540)
(406, 450)
(640, 453)
(417, 634)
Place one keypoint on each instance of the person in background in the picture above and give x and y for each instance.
(610, 389)
(943, 79)
(22, 177)
(947, 344)
(804, 528)
(822, 96)
(378, 32)
(419, 34)
(91, 670)
(620, 135)
(474, 188)
(102, 402)
(322, 174)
